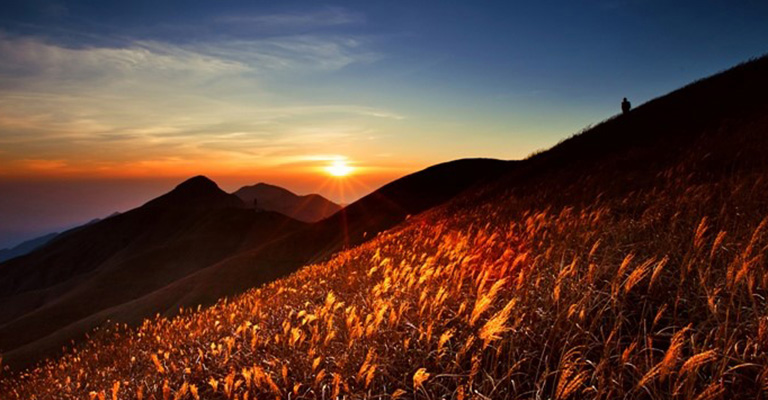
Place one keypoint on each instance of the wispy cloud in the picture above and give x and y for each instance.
(332, 16)
(31, 63)
(154, 103)
(292, 53)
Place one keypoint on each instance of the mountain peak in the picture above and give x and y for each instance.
(198, 184)
(196, 192)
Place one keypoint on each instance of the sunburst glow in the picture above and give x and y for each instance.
(339, 168)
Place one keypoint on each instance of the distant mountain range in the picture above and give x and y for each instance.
(29, 245)
(26, 246)
(308, 208)
(192, 246)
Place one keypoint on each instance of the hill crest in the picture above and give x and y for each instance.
(307, 208)
(196, 192)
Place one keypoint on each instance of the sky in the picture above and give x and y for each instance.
(106, 104)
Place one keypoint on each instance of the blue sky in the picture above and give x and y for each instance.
(247, 91)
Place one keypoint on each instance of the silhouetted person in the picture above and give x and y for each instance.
(625, 106)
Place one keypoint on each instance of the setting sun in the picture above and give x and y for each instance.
(339, 168)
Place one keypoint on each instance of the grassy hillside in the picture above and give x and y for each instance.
(624, 263)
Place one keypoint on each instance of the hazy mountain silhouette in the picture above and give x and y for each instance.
(26, 246)
(307, 208)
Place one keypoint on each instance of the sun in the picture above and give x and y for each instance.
(339, 168)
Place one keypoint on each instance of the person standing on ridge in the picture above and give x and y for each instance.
(625, 106)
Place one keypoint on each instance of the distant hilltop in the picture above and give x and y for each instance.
(307, 208)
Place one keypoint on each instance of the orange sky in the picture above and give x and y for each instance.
(301, 177)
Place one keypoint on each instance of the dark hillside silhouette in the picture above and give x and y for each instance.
(410, 195)
(727, 111)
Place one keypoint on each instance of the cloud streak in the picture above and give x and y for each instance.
(31, 60)
(302, 53)
(328, 17)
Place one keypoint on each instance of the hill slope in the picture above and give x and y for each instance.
(91, 273)
(186, 248)
(634, 272)
(354, 224)
(307, 208)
